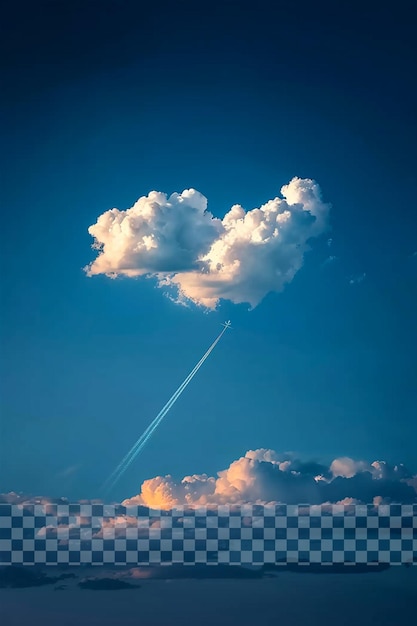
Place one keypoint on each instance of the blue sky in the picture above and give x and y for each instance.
(104, 103)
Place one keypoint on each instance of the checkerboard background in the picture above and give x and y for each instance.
(249, 534)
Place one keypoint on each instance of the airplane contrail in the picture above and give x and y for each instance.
(144, 438)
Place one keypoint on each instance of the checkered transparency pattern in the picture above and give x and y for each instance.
(248, 534)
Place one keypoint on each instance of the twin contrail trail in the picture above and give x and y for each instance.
(144, 438)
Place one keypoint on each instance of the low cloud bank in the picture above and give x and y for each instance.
(202, 259)
(265, 476)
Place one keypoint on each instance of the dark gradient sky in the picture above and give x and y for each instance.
(383, 598)
(103, 102)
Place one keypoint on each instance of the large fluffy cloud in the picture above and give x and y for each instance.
(240, 258)
(264, 476)
(157, 235)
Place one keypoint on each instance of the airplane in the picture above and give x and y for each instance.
(227, 324)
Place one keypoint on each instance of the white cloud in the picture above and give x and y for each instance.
(164, 492)
(240, 258)
(383, 470)
(355, 280)
(264, 476)
(264, 454)
(330, 259)
(157, 235)
(347, 467)
(260, 476)
(348, 501)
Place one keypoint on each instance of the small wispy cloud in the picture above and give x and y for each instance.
(355, 280)
(69, 471)
(330, 259)
(329, 242)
